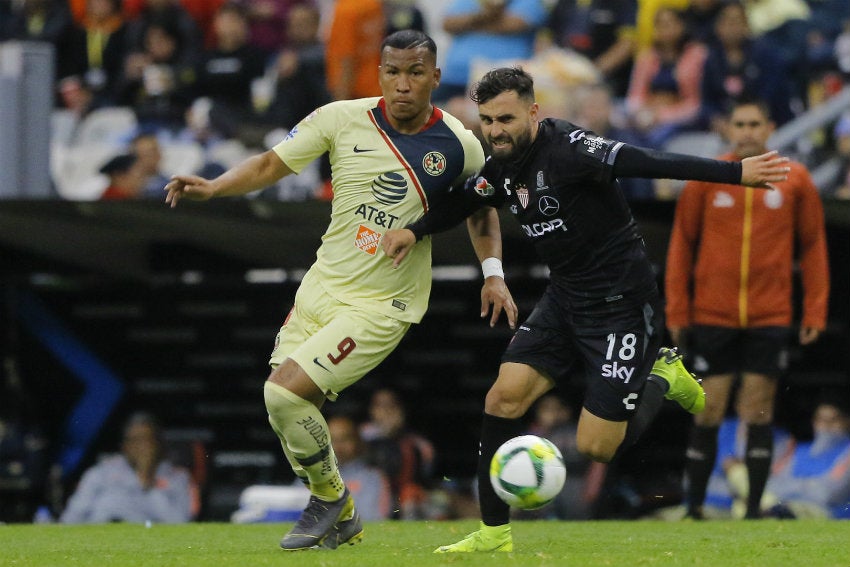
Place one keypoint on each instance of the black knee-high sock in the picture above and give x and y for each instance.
(494, 432)
(651, 400)
(701, 456)
(757, 459)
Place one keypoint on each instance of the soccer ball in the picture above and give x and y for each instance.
(527, 472)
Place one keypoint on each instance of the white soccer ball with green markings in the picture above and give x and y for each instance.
(527, 472)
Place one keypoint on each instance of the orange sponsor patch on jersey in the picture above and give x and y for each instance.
(367, 240)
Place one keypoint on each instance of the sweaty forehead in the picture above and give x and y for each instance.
(403, 58)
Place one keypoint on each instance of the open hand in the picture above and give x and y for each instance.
(764, 170)
(189, 186)
(496, 293)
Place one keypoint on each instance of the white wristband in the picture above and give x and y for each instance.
(492, 267)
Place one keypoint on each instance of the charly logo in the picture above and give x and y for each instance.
(483, 187)
(434, 163)
(549, 206)
(389, 188)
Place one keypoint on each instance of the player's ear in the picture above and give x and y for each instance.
(438, 74)
(533, 110)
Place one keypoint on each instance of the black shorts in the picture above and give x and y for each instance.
(614, 350)
(724, 350)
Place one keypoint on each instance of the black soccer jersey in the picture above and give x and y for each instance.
(564, 194)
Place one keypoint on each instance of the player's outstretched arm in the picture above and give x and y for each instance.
(764, 170)
(254, 173)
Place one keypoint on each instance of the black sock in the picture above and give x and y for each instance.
(757, 459)
(651, 401)
(494, 432)
(701, 456)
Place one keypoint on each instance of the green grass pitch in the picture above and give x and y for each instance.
(769, 543)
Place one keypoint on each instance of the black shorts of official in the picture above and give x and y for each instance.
(614, 350)
(725, 350)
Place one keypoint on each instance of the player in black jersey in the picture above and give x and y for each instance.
(602, 311)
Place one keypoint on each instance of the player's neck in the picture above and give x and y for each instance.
(415, 124)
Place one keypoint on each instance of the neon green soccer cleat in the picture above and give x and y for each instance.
(685, 388)
(487, 538)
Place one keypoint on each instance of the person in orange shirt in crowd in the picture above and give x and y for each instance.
(729, 285)
(353, 49)
(126, 178)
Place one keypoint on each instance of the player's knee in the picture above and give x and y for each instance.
(596, 449)
(501, 404)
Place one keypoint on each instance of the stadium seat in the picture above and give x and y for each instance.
(115, 124)
(75, 170)
(181, 158)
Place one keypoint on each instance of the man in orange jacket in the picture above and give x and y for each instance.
(729, 282)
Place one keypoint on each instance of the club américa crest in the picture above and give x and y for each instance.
(434, 163)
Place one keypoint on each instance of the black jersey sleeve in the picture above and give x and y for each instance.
(454, 206)
(633, 161)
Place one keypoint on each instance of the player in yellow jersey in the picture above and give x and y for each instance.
(392, 158)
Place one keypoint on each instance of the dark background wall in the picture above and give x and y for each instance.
(111, 307)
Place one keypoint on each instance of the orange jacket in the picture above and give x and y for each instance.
(730, 258)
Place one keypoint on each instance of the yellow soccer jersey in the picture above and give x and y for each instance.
(381, 179)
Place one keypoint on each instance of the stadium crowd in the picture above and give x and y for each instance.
(214, 80)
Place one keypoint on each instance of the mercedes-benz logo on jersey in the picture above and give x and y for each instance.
(389, 188)
(434, 163)
(549, 206)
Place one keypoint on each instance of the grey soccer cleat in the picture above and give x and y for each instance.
(345, 531)
(316, 523)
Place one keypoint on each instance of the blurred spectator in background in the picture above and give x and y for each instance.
(367, 484)
(406, 457)
(42, 20)
(701, 17)
(100, 47)
(181, 25)
(729, 283)
(24, 447)
(485, 31)
(137, 485)
(840, 187)
(227, 70)
(126, 180)
(353, 49)
(814, 482)
(664, 94)
(555, 421)
(784, 25)
(268, 23)
(737, 66)
(297, 76)
(158, 81)
(403, 15)
(145, 147)
(201, 11)
(596, 112)
(603, 31)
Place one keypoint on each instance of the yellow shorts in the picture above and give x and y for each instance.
(336, 344)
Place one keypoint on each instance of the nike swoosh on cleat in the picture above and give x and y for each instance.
(360, 151)
(319, 364)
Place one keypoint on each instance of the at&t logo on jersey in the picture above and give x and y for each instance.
(434, 163)
(389, 188)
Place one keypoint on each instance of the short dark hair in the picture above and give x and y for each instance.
(502, 80)
(750, 100)
(409, 39)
